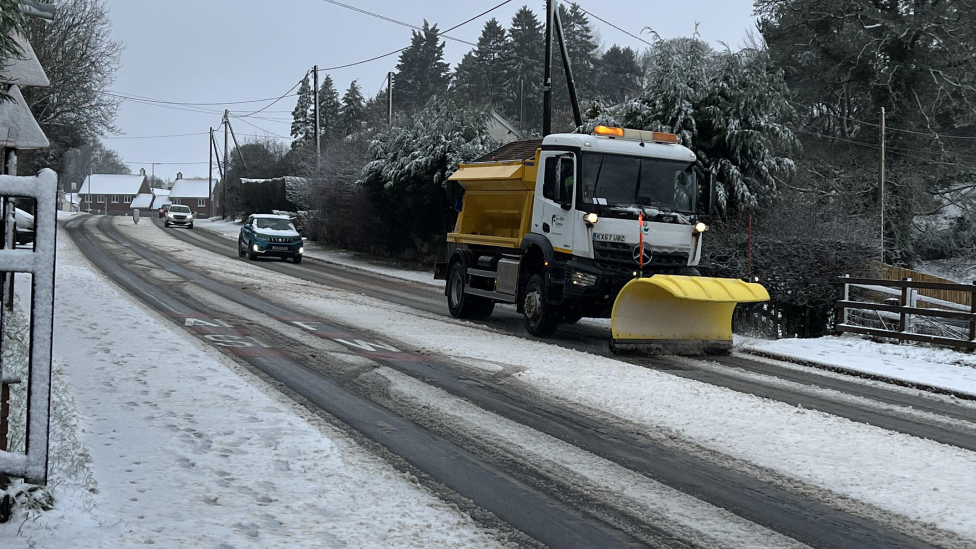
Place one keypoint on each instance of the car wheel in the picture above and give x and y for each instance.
(297, 259)
(250, 253)
(190, 226)
(462, 305)
(541, 318)
(241, 250)
(166, 224)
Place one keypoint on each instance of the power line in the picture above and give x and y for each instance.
(888, 128)
(597, 17)
(439, 33)
(258, 127)
(166, 163)
(397, 21)
(156, 136)
(892, 150)
(184, 104)
(268, 106)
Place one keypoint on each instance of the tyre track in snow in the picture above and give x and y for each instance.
(763, 503)
(914, 413)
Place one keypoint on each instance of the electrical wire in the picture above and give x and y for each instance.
(597, 17)
(184, 104)
(259, 128)
(888, 128)
(166, 163)
(397, 21)
(888, 149)
(268, 106)
(155, 136)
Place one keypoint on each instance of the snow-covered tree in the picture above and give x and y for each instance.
(620, 75)
(329, 107)
(479, 78)
(523, 61)
(353, 109)
(11, 21)
(406, 177)
(421, 72)
(303, 122)
(731, 108)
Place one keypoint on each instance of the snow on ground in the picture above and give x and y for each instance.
(338, 257)
(187, 449)
(943, 368)
(919, 479)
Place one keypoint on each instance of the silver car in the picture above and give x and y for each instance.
(179, 215)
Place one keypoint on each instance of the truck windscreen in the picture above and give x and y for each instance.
(626, 181)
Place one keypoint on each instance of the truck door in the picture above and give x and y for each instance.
(555, 218)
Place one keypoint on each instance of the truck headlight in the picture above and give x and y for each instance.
(583, 279)
(591, 218)
(700, 228)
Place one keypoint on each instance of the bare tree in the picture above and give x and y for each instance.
(91, 158)
(80, 57)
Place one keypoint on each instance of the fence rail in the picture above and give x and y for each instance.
(915, 299)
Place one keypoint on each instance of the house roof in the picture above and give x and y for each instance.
(23, 69)
(18, 129)
(507, 125)
(190, 188)
(112, 184)
(142, 201)
(159, 192)
(159, 201)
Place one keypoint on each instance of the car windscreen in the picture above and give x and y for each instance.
(179, 209)
(617, 180)
(274, 224)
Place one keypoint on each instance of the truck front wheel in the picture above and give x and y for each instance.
(541, 318)
(462, 305)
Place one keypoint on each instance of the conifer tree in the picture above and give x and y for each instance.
(478, 79)
(353, 109)
(421, 72)
(522, 79)
(303, 123)
(620, 75)
(583, 49)
(329, 107)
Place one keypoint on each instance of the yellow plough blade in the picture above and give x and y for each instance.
(679, 314)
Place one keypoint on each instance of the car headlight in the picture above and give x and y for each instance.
(700, 228)
(256, 249)
(301, 250)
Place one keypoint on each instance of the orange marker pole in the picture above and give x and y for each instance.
(640, 233)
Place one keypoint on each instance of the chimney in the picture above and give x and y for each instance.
(179, 175)
(142, 172)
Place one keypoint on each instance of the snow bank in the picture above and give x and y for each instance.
(942, 368)
(194, 451)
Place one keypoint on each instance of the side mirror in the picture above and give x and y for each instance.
(248, 227)
(566, 206)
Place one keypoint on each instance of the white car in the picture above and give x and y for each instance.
(179, 215)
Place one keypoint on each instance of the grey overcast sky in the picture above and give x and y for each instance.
(213, 51)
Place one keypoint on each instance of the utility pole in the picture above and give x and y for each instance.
(547, 76)
(568, 69)
(389, 98)
(210, 174)
(881, 180)
(318, 119)
(223, 188)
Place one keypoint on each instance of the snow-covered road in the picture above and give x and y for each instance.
(178, 446)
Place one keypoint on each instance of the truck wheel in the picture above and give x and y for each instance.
(541, 318)
(462, 305)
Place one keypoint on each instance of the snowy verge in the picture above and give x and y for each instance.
(188, 449)
(902, 481)
(946, 369)
(346, 259)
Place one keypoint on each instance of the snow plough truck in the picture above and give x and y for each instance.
(607, 225)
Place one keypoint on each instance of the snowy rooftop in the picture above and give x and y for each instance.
(160, 192)
(191, 188)
(112, 184)
(142, 201)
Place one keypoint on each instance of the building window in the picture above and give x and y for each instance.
(178, 202)
(115, 199)
(201, 202)
(101, 199)
(127, 198)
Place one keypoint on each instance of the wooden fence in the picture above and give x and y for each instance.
(954, 296)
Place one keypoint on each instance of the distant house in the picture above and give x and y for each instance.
(192, 192)
(160, 198)
(111, 194)
(502, 130)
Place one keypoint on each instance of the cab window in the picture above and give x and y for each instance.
(560, 179)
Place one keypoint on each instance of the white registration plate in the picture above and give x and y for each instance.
(279, 248)
(603, 237)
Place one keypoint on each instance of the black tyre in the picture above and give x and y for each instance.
(462, 305)
(251, 256)
(190, 226)
(541, 318)
(241, 249)
(297, 259)
(166, 224)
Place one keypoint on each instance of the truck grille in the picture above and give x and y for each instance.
(620, 255)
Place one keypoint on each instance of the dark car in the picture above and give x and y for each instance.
(270, 236)
(163, 209)
(179, 215)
